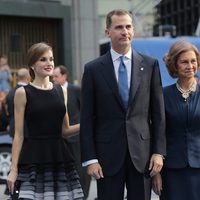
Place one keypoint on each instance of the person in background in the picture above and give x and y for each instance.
(122, 122)
(42, 167)
(23, 78)
(60, 76)
(5, 74)
(4, 122)
(181, 172)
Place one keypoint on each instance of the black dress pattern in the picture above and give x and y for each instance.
(46, 168)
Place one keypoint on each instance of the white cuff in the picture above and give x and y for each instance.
(89, 162)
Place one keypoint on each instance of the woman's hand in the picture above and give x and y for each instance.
(71, 130)
(11, 179)
(157, 184)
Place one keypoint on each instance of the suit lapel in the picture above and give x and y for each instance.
(108, 73)
(136, 72)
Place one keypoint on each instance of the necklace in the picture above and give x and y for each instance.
(186, 93)
(49, 87)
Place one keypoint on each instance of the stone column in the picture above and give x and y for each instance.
(85, 46)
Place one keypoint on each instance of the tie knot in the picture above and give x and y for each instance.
(121, 58)
(122, 65)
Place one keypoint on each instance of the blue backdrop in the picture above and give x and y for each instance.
(157, 48)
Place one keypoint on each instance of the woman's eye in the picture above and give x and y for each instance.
(43, 59)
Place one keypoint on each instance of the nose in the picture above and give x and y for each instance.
(124, 30)
(190, 65)
(49, 61)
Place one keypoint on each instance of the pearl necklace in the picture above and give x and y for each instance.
(186, 93)
(49, 87)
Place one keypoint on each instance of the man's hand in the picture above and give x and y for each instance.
(156, 164)
(95, 170)
(157, 184)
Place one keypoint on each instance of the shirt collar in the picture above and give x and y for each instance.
(21, 83)
(65, 85)
(116, 55)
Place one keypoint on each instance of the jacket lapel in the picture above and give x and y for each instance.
(108, 73)
(136, 72)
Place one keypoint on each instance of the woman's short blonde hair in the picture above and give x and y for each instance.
(172, 56)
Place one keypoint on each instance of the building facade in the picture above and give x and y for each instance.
(75, 28)
(65, 24)
(184, 14)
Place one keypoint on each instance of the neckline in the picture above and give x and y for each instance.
(42, 89)
(186, 93)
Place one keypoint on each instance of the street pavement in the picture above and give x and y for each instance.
(92, 193)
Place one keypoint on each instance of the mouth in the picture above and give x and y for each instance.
(188, 72)
(124, 39)
(48, 69)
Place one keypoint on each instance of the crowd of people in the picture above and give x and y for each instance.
(121, 127)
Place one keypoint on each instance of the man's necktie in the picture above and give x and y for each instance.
(123, 82)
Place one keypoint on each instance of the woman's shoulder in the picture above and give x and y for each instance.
(20, 91)
(169, 90)
(169, 87)
(20, 96)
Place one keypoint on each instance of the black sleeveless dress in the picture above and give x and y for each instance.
(46, 168)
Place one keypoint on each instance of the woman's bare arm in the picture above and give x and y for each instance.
(19, 107)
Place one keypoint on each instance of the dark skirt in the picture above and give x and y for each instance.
(181, 184)
(49, 183)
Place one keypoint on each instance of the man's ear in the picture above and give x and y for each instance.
(107, 33)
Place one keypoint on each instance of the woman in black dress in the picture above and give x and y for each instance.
(42, 167)
(180, 176)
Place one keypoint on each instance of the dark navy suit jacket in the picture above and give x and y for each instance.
(107, 129)
(182, 128)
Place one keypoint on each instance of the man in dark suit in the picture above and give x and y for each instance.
(23, 78)
(60, 76)
(122, 130)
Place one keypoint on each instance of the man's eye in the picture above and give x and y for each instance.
(129, 27)
(119, 27)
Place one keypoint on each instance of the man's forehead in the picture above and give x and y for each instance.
(121, 18)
